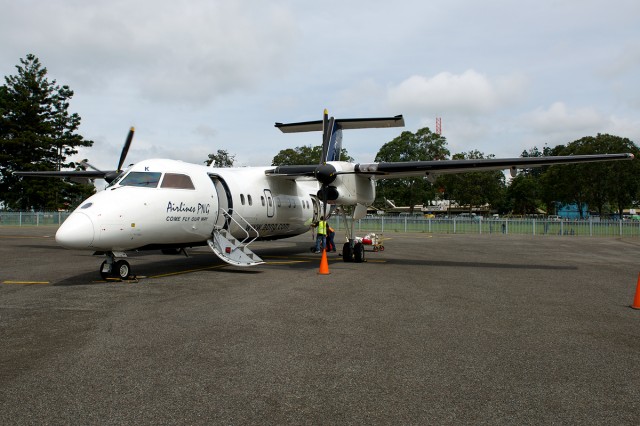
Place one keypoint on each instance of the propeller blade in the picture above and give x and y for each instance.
(325, 136)
(125, 149)
(324, 202)
(89, 165)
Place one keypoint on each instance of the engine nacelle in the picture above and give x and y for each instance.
(351, 189)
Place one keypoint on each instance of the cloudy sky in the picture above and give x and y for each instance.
(201, 75)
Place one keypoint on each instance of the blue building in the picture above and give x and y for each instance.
(571, 211)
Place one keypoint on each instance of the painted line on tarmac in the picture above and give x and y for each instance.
(26, 282)
(299, 259)
(187, 271)
(314, 259)
(25, 236)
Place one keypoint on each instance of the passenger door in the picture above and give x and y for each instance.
(269, 203)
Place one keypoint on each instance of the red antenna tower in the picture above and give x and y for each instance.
(438, 125)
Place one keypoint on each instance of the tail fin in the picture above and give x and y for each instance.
(332, 130)
(331, 140)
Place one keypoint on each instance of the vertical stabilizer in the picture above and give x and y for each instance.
(334, 147)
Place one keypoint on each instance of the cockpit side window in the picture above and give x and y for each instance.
(176, 180)
(143, 179)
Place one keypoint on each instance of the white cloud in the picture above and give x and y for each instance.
(198, 75)
(468, 93)
(558, 118)
(365, 92)
(161, 50)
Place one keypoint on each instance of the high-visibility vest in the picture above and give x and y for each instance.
(322, 227)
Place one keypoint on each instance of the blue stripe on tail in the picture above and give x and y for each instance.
(335, 144)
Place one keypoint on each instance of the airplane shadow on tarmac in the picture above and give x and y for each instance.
(149, 265)
(144, 269)
(470, 264)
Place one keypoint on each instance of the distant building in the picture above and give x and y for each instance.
(571, 211)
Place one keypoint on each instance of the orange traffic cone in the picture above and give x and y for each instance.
(324, 265)
(636, 300)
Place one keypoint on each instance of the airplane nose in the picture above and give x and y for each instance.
(76, 232)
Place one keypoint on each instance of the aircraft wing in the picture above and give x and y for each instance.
(434, 168)
(83, 174)
(430, 168)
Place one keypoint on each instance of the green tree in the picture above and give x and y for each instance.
(221, 159)
(523, 194)
(602, 186)
(304, 155)
(37, 133)
(420, 146)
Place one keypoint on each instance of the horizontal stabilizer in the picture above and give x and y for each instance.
(343, 123)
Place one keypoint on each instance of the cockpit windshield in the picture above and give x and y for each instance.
(142, 179)
(177, 181)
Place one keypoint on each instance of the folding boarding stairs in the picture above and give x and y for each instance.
(230, 249)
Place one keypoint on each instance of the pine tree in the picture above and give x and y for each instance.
(37, 132)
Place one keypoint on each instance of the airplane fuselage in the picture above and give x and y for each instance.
(168, 203)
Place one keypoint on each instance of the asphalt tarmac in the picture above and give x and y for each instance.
(437, 329)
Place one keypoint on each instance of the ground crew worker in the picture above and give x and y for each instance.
(321, 236)
(331, 246)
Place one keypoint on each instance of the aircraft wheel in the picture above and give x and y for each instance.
(358, 253)
(103, 272)
(122, 269)
(347, 256)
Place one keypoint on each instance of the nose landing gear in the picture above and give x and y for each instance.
(111, 268)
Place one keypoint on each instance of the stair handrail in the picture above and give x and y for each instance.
(243, 242)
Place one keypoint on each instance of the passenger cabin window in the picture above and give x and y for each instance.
(143, 179)
(242, 199)
(249, 200)
(177, 181)
(262, 199)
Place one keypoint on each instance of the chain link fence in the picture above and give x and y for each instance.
(32, 218)
(382, 224)
(537, 227)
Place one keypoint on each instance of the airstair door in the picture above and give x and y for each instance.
(269, 201)
(316, 207)
(225, 202)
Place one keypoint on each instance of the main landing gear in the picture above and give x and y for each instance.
(353, 252)
(112, 268)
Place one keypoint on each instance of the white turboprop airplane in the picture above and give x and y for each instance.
(172, 205)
